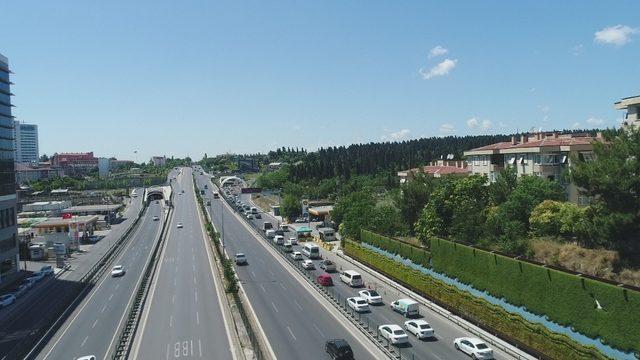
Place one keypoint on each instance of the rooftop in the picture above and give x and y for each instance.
(626, 102)
(92, 208)
(63, 222)
(540, 140)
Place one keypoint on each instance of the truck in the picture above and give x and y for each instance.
(406, 307)
(267, 226)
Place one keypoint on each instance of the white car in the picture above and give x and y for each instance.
(420, 328)
(371, 296)
(473, 347)
(296, 255)
(393, 333)
(88, 357)
(179, 226)
(358, 304)
(308, 264)
(241, 259)
(47, 270)
(6, 300)
(156, 218)
(117, 270)
(36, 276)
(293, 241)
(250, 217)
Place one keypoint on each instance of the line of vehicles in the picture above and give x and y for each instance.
(365, 298)
(26, 284)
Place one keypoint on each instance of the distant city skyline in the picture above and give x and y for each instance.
(160, 77)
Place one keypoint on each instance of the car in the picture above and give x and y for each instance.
(47, 270)
(308, 264)
(250, 216)
(180, 193)
(296, 255)
(36, 276)
(324, 280)
(278, 240)
(241, 211)
(156, 218)
(358, 304)
(20, 290)
(293, 241)
(473, 347)
(338, 349)
(328, 265)
(257, 216)
(371, 296)
(420, 328)
(179, 226)
(241, 259)
(87, 357)
(117, 271)
(6, 300)
(393, 333)
(28, 282)
(157, 201)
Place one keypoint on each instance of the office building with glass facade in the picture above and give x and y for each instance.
(9, 258)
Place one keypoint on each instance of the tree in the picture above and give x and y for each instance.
(291, 207)
(613, 180)
(506, 181)
(353, 212)
(44, 158)
(413, 196)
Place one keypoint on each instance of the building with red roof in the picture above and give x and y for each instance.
(437, 169)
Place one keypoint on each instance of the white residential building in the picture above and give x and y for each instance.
(25, 143)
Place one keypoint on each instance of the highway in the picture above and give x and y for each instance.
(30, 311)
(439, 348)
(295, 321)
(183, 317)
(92, 327)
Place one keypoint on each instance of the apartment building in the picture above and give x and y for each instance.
(547, 155)
(75, 164)
(25, 143)
(437, 169)
(632, 106)
(9, 257)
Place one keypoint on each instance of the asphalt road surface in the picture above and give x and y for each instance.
(294, 321)
(183, 318)
(93, 327)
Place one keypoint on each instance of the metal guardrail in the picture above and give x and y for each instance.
(128, 329)
(31, 345)
(391, 351)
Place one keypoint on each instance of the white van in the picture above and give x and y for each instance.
(270, 234)
(284, 227)
(351, 278)
(312, 251)
(254, 210)
(279, 240)
(327, 234)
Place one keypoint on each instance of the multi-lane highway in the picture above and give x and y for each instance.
(92, 329)
(440, 347)
(294, 318)
(184, 316)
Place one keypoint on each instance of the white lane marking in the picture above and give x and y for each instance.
(298, 304)
(252, 273)
(193, 266)
(117, 286)
(84, 341)
(200, 347)
(94, 324)
(320, 331)
(274, 306)
(195, 293)
(291, 333)
(103, 308)
(282, 286)
(110, 297)
(173, 298)
(271, 272)
(175, 282)
(195, 281)
(171, 321)
(262, 287)
(197, 318)
(436, 356)
(167, 351)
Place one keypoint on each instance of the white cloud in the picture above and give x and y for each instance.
(437, 51)
(395, 136)
(544, 108)
(447, 129)
(617, 35)
(475, 123)
(441, 69)
(577, 50)
(576, 125)
(595, 121)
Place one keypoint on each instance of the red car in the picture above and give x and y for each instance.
(324, 280)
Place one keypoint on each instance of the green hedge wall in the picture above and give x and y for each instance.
(417, 255)
(552, 345)
(564, 298)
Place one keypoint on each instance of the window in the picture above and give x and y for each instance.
(512, 160)
(522, 161)
(536, 159)
(485, 160)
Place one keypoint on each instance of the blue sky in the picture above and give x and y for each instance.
(189, 77)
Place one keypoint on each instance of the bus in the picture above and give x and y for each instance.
(312, 251)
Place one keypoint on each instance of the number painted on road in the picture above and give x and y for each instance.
(183, 349)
